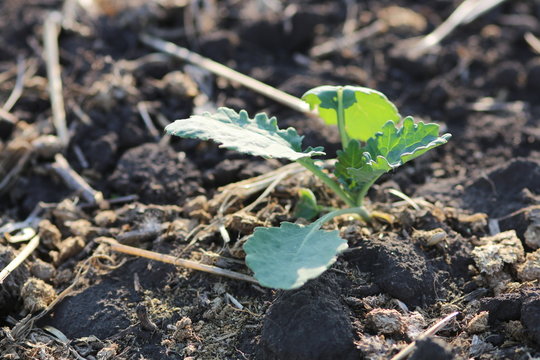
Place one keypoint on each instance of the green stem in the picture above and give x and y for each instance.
(363, 192)
(317, 171)
(341, 119)
(360, 210)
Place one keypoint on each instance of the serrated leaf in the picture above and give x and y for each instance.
(393, 147)
(351, 157)
(236, 131)
(306, 206)
(366, 110)
(288, 256)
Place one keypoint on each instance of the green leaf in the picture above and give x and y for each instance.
(306, 206)
(366, 110)
(393, 147)
(288, 256)
(351, 157)
(236, 131)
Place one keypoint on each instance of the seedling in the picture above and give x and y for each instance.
(287, 256)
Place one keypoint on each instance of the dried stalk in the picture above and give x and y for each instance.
(178, 262)
(18, 88)
(51, 29)
(533, 42)
(466, 12)
(348, 40)
(429, 332)
(74, 181)
(28, 249)
(226, 72)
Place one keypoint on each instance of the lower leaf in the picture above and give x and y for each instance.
(288, 256)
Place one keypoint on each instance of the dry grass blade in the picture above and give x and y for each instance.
(533, 42)
(466, 12)
(178, 262)
(51, 30)
(348, 40)
(226, 72)
(18, 88)
(28, 249)
(74, 181)
(429, 332)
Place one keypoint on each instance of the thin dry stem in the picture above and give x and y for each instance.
(226, 72)
(466, 12)
(74, 181)
(348, 40)
(178, 262)
(51, 30)
(429, 332)
(533, 42)
(18, 88)
(28, 249)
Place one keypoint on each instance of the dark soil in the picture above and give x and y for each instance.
(164, 195)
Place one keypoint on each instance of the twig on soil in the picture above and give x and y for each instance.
(429, 332)
(348, 40)
(51, 30)
(141, 106)
(28, 249)
(533, 41)
(115, 246)
(466, 12)
(8, 116)
(74, 181)
(226, 72)
(490, 104)
(405, 198)
(18, 88)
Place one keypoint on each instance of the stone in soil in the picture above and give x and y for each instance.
(308, 323)
(37, 295)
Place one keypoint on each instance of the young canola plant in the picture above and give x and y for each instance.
(373, 143)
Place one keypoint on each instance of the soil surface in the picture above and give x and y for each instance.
(469, 244)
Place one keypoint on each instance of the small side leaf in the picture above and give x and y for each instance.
(236, 131)
(399, 145)
(393, 147)
(288, 256)
(306, 206)
(366, 110)
(351, 157)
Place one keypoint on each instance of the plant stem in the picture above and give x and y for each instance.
(317, 171)
(360, 210)
(363, 192)
(341, 119)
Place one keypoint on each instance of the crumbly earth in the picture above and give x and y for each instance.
(469, 244)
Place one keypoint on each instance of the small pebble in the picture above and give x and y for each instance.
(385, 321)
(49, 234)
(530, 269)
(42, 270)
(105, 218)
(478, 324)
(37, 295)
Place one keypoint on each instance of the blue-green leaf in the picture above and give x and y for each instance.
(288, 256)
(236, 131)
(366, 110)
